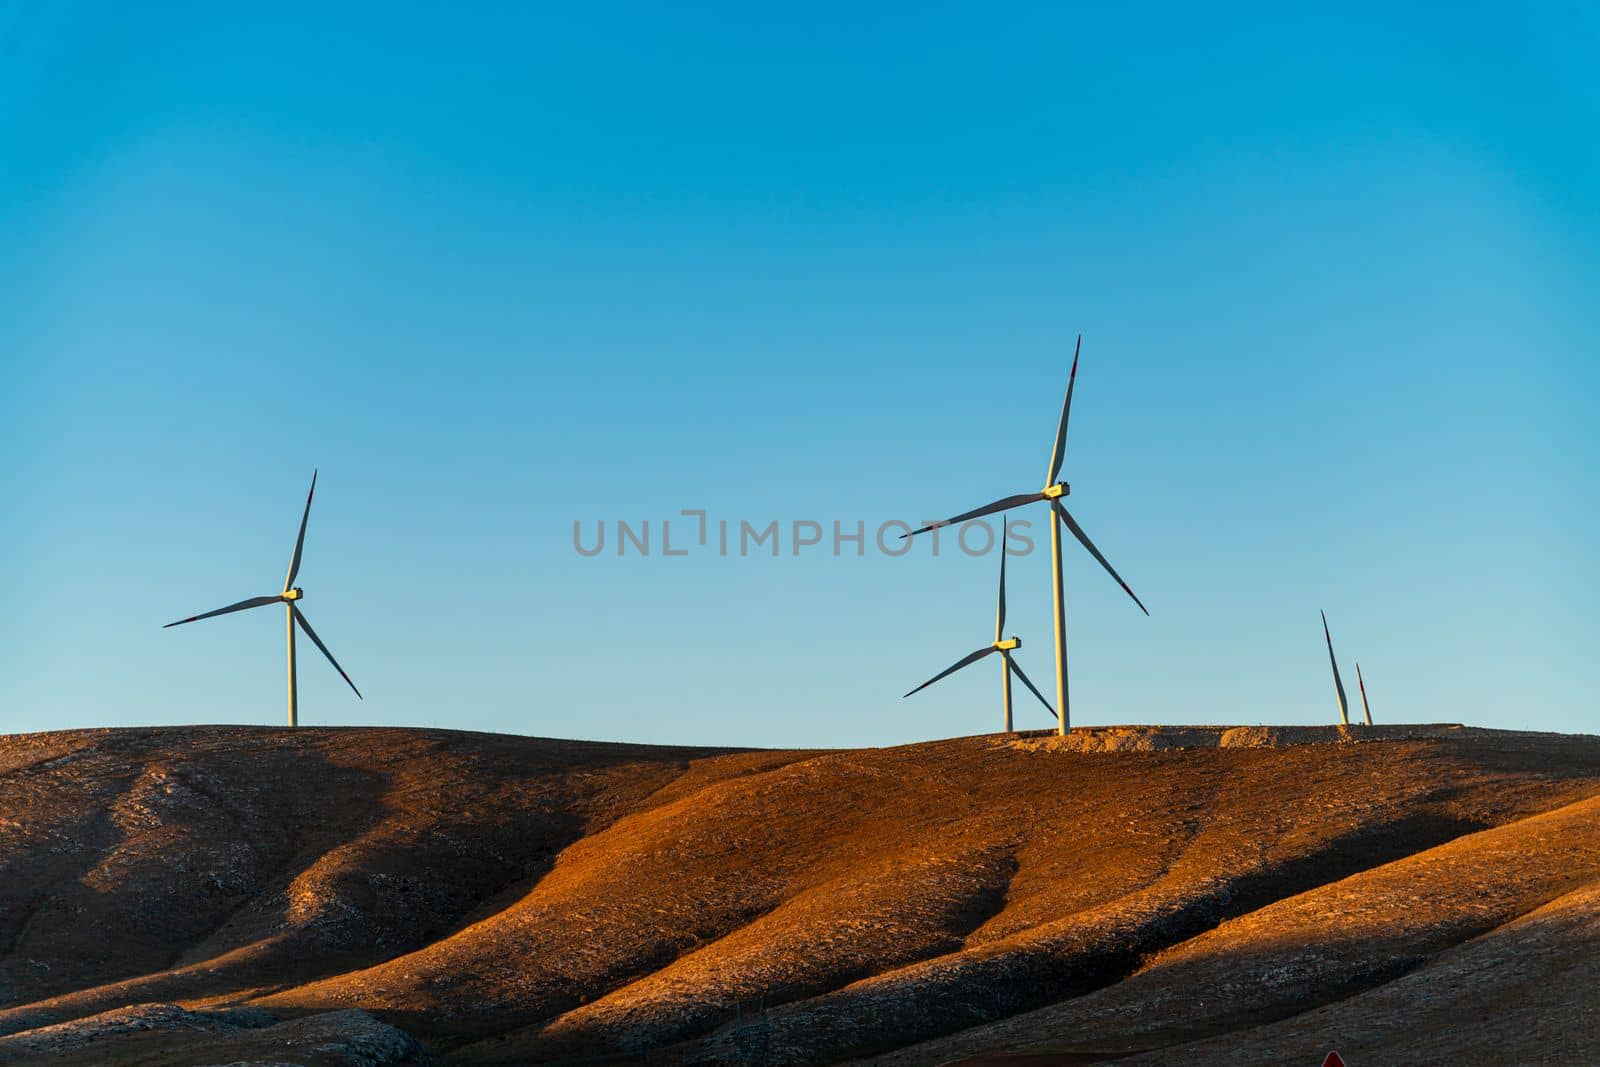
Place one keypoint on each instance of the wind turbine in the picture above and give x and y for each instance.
(1002, 644)
(288, 598)
(1365, 707)
(1052, 492)
(1338, 685)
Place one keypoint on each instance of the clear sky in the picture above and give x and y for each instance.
(494, 271)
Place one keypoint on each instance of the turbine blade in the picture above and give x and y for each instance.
(300, 541)
(1077, 531)
(1344, 705)
(243, 605)
(1366, 709)
(306, 626)
(988, 509)
(1000, 610)
(1023, 678)
(965, 661)
(1066, 410)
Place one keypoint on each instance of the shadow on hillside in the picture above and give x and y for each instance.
(266, 857)
(863, 1021)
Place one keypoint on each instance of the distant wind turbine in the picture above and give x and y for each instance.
(1002, 644)
(1365, 707)
(291, 593)
(1338, 685)
(1052, 492)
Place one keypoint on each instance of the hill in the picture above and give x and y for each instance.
(386, 896)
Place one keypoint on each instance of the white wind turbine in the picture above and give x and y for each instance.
(1344, 707)
(1052, 493)
(1003, 645)
(288, 598)
(1338, 684)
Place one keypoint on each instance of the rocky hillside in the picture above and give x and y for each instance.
(234, 895)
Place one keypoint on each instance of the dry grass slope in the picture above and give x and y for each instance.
(342, 895)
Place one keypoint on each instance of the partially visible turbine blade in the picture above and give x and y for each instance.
(965, 661)
(1344, 705)
(306, 626)
(1066, 410)
(1077, 531)
(988, 509)
(1023, 678)
(1366, 709)
(1000, 610)
(253, 602)
(300, 541)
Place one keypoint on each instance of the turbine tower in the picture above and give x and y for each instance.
(1052, 493)
(1003, 645)
(288, 598)
(1338, 685)
(1365, 707)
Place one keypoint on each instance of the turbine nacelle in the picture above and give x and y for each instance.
(294, 594)
(1056, 492)
(1008, 644)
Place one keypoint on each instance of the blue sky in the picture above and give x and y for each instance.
(497, 271)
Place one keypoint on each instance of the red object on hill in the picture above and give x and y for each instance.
(1333, 1060)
